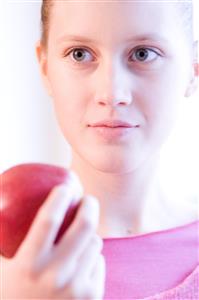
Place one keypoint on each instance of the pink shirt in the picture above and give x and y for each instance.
(158, 265)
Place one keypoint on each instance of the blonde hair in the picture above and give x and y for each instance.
(46, 9)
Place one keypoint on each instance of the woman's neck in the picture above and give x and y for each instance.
(130, 203)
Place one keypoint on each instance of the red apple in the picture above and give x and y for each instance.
(23, 190)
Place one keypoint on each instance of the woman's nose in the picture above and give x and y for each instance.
(114, 86)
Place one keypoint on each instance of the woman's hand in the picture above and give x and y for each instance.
(72, 269)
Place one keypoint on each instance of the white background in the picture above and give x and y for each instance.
(29, 132)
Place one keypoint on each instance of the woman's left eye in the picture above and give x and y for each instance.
(144, 55)
(79, 55)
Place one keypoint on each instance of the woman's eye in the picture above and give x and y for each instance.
(79, 55)
(144, 55)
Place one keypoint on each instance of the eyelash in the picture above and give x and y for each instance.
(134, 53)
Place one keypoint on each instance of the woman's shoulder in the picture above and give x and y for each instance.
(187, 289)
(154, 260)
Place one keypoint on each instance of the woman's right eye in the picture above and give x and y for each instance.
(79, 55)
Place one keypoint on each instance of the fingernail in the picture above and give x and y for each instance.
(63, 198)
(75, 184)
(91, 206)
(63, 188)
(91, 202)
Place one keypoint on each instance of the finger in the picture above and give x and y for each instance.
(75, 241)
(80, 232)
(98, 277)
(48, 220)
(88, 259)
(70, 269)
(77, 277)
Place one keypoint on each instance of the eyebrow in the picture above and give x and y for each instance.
(138, 38)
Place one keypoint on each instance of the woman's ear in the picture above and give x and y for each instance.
(42, 60)
(193, 84)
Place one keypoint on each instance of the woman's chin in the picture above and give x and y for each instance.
(114, 164)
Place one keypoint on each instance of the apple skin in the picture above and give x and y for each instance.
(24, 188)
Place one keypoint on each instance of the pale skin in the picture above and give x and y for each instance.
(110, 82)
(107, 85)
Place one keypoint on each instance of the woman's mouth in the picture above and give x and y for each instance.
(110, 132)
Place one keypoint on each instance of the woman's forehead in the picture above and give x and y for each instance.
(111, 6)
(116, 20)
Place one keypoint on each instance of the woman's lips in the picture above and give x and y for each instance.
(113, 133)
(112, 123)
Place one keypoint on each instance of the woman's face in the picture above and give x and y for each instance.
(134, 64)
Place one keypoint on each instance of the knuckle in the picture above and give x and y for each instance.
(90, 293)
(63, 275)
(80, 289)
(47, 221)
(75, 288)
(97, 242)
(86, 223)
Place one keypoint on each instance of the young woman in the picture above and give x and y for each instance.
(117, 73)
